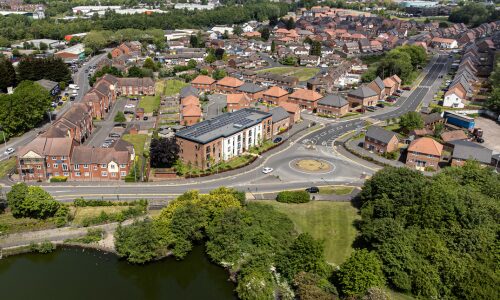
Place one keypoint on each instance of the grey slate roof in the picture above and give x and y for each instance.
(278, 114)
(222, 126)
(431, 118)
(380, 83)
(188, 91)
(363, 92)
(49, 85)
(250, 88)
(379, 134)
(333, 100)
(469, 150)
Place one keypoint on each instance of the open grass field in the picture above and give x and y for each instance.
(330, 221)
(82, 213)
(6, 166)
(301, 72)
(169, 87)
(150, 103)
(9, 224)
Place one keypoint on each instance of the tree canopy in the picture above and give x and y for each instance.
(51, 68)
(31, 202)
(7, 75)
(435, 236)
(411, 120)
(163, 152)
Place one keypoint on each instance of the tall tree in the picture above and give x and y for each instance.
(52, 68)
(411, 120)
(315, 48)
(7, 75)
(163, 152)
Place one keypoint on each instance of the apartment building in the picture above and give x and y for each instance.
(223, 137)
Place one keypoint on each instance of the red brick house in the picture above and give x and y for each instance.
(275, 95)
(424, 152)
(203, 83)
(361, 97)
(380, 140)
(378, 87)
(293, 111)
(333, 105)
(237, 101)
(306, 99)
(228, 85)
(136, 86)
(392, 84)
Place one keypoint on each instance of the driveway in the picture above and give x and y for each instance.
(491, 133)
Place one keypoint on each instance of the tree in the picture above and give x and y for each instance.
(210, 58)
(290, 23)
(24, 109)
(219, 53)
(31, 202)
(51, 68)
(265, 33)
(43, 46)
(95, 40)
(438, 129)
(192, 64)
(138, 243)
(411, 120)
(120, 117)
(361, 271)
(219, 74)
(109, 55)
(163, 152)
(193, 41)
(237, 30)
(273, 46)
(305, 254)
(149, 64)
(7, 75)
(315, 48)
(309, 286)
(135, 72)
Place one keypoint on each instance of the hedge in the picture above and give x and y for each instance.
(58, 179)
(293, 197)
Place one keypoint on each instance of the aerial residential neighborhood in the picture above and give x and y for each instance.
(249, 150)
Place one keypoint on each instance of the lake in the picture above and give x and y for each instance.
(75, 273)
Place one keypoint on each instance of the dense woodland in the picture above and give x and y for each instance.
(437, 237)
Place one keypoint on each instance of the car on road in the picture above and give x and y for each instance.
(60, 103)
(145, 118)
(381, 105)
(480, 140)
(9, 151)
(121, 125)
(371, 108)
(267, 170)
(128, 112)
(312, 189)
(114, 135)
(278, 139)
(134, 99)
(74, 87)
(129, 106)
(72, 98)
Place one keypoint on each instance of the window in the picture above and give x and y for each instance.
(77, 166)
(66, 174)
(123, 166)
(38, 167)
(65, 167)
(104, 173)
(55, 165)
(86, 174)
(112, 166)
(85, 166)
(54, 158)
(56, 174)
(63, 157)
(123, 173)
(113, 174)
(103, 165)
(48, 165)
(77, 174)
(95, 168)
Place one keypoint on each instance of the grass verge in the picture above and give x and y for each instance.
(336, 190)
(172, 87)
(9, 224)
(6, 166)
(329, 221)
(150, 103)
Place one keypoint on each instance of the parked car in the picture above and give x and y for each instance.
(480, 140)
(60, 103)
(53, 104)
(381, 105)
(407, 88)
(313, 189)
(72, 98)
(128, 112)
(129, 106)
(114, 135)
(145, 118)
(9, 151)
(267, 170)
(371, 108)
(121, 125)
(278, 139)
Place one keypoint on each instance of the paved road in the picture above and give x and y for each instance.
(315, 145)
(80, 78)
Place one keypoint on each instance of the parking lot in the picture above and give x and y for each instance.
(491, 133)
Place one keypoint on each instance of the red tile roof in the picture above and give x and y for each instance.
(426, 145)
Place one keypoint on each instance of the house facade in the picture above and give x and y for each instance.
(424, 153)
(380, 140)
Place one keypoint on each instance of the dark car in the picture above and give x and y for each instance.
(121, 125)
(381, 105)
(480, 140)
(72, 98)
(128, 112)
(145, 118)
(406, 88)
(313, 189)
(278, 140)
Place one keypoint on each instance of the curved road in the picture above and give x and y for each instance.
(315, 145)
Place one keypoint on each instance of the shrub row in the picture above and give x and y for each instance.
(58, 179)
(103, 217)
(293, 197)
(80, 202)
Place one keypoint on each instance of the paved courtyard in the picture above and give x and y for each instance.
(491, 133)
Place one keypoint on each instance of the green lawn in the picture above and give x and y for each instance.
(393, 127)
(6, 166)
(330, 221)
(170, 87)
(150, 103)
(82, 213)
(138, 140)
(302, 73)
(336, 190)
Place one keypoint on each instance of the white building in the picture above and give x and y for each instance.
(222, 29)
(93, 8)
(193, 6)
(454, 98)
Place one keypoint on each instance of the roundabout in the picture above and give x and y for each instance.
(312, 166)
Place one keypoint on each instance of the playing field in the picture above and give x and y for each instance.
(301, 72)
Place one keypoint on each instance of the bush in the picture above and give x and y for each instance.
(390, 155)
(293, 197)
(103, 217)
(80, 202)
(58, 179)
(44, 247)
(93, 235)
(138, 243)
(430, 169)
